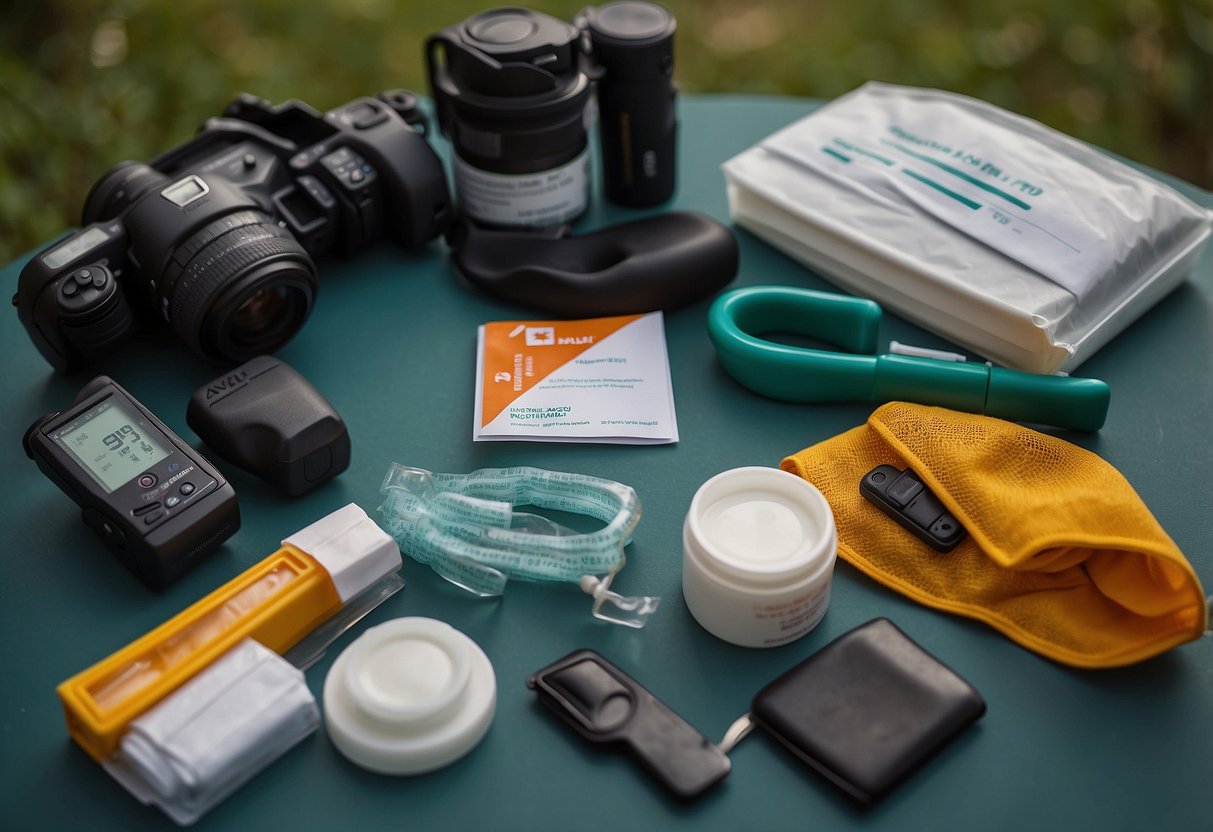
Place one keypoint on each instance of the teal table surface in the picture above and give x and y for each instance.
(391, 343)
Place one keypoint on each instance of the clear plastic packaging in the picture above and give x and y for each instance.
(1020, 243)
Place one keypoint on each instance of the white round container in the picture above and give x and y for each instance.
(759, 546)
(409, 696)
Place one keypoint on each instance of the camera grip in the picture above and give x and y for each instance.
(418, 204)
(660, 262)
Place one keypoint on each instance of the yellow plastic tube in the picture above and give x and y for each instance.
(276, 602)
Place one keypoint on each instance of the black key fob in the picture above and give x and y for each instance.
(904, 497)
(607, 706)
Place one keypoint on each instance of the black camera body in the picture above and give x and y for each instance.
(216, 237)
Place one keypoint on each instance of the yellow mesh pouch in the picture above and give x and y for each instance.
(1062, 555)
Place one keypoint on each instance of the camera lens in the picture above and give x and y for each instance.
(239, 287)
(511, 97)
(263, 322)
(260, 314)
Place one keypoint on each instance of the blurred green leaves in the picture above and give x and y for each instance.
(87, 83)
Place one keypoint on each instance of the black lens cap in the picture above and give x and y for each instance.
(512, 34)
(501, 29)
(629, 23)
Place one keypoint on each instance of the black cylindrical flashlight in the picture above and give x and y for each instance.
(632, 45)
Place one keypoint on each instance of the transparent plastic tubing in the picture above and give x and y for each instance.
(466, 528)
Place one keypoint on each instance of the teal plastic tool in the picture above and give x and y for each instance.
(799, 374)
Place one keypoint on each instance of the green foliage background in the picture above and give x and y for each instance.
(87, 83)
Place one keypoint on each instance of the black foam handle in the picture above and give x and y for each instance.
(660, 262)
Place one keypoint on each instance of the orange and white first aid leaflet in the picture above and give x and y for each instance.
(596, 380)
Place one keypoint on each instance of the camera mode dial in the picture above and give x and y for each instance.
(84, 289)
(86, 294)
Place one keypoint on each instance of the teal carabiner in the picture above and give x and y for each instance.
(800, 374)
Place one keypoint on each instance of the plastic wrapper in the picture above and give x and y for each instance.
(1022, 244)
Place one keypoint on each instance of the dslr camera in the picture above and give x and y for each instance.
(215, 238)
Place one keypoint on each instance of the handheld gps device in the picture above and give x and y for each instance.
(152, 498)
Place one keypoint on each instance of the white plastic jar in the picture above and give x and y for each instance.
(759, 546)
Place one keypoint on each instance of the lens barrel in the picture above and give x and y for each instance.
(511, 97)
(240, 287)
(217, 269)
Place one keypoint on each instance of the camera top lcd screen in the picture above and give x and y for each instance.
(73, 248)
(110, 443)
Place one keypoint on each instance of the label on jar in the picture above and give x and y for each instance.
(548, 197)
(789, 619)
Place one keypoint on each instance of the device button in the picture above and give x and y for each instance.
(590, 690)
(144, 509)
(187, 488)
(69, 287)
(903, 489)
(319, 193)
(924, 510)
(149, 519)
(172, 502)
(147, 480)
(336, 159)
(946, 529)
(84, 277)
(357, 176)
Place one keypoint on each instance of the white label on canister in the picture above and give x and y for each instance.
(547, 197)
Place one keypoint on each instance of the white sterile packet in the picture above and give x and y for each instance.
(1018, 242)
(215, 732)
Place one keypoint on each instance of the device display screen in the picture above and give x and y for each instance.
(110, 443)
(74, 247)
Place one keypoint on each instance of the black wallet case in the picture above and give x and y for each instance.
(867, 709)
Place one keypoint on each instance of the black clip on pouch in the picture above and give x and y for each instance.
(659, 262)
(607, 706)
(867, 709)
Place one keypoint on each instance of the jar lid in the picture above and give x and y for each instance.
(761, 525)
(409, 696)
